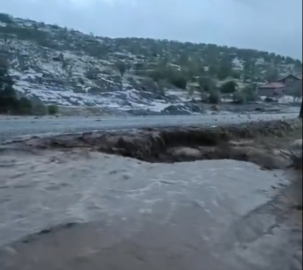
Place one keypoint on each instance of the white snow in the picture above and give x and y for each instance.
(284, 99)
(37, 73)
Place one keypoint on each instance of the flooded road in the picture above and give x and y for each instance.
(86, 210)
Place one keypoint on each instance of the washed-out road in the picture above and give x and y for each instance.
(84, 210)
(13, 127)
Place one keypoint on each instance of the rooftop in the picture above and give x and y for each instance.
(290, 75)
(272, 85)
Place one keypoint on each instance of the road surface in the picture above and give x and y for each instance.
(11, 127)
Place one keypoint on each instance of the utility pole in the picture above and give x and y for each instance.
(300, 115)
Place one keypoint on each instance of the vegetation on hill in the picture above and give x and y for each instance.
(193, 59)
(12, 103)
(211, 68)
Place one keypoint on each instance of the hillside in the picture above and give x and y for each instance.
(66, 67)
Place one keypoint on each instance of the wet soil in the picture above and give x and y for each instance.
(257, 142)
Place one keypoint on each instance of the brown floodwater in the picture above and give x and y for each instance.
(78, 209)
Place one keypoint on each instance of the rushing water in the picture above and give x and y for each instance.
(135, 215)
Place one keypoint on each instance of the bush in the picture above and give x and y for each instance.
(39, 109)
(239, 98)
(206, 84)
(52, 109)
(214, 97)
(250, 93)
(179, 81)
(121, 67)
(156, 75)
(10, 102)
(5, 18)
(229, 87)
(172, 76)
(24, 106)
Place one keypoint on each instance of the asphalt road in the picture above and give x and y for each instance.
(14, 127)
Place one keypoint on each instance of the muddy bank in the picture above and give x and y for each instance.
(245, 142)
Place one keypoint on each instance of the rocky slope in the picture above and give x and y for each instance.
(69, 68)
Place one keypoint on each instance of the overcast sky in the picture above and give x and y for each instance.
(271, 25)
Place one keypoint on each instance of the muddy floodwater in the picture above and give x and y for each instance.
(80, 209)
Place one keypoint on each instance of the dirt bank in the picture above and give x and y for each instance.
(257, 142)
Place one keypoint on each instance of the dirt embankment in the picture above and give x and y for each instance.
(259, 142)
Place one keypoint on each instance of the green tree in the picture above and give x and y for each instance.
(239, 97)
(38, 108)
(183, 59)
(250, 93)
(206, 84)
(214, 97)
(8, 96)
(9, 101)
(229, 87)
(121, 66)
(179, 80)
(5, 18)
(24, 106)
(213, 70)
(271, 74)
(52, 109)
(225, 70)
(158, 74)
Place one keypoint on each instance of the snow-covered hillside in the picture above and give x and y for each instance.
(68, 68)
(71, 78)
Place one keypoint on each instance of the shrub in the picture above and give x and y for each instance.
(206, 84)
(5, 18)
(249, 93)
(10, 102)
(39, 109)
(52, 109)
(24, 106)
(121, 67)
(156, 75)
(179, 81)
(229, 87)
(239, 97)
(214, 97)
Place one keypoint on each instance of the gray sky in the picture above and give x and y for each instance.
(271, 25)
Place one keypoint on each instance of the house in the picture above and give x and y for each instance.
(273, 89)
(281, 87)
(288, 80)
